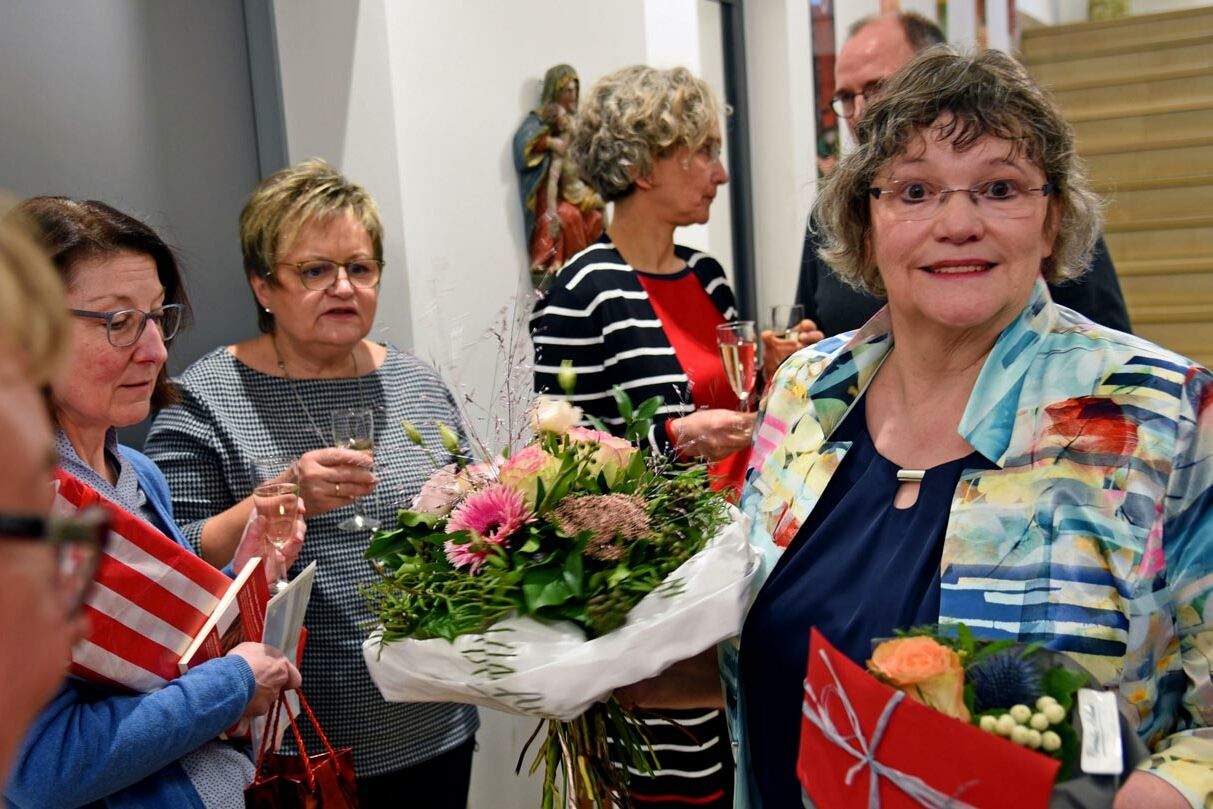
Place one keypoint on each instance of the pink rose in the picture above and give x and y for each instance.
(613, 455)
(523, 471)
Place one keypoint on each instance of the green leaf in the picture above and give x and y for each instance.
(967, 642)
(596, 423)
(530, 546)
(649, 407)
(545, 587)
(1062, 684)
(623, 402)
(574, 573)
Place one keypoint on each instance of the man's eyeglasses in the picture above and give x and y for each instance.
(320, 274)
(124, 327)
(844, 102)
(916, 200)
(79, 542)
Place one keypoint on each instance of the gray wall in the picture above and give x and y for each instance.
(146, 105)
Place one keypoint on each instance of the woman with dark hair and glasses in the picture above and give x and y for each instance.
(313, 257)
(92, 744)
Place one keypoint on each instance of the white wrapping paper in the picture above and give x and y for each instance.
(524, 666)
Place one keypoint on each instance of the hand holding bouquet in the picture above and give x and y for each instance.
(539, 582)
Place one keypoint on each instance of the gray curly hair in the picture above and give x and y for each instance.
(963, 98)
(634, 115)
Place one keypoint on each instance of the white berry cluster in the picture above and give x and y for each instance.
(1029, 728)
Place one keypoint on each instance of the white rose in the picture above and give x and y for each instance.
(554, 416)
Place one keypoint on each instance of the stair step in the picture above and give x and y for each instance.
(1151, 166)
(1158, 106)
(1098, 71)
(1031, 54)
(1145, 131)
(1177, 222)
(1110, 188)
(1196, 313)
(1142, 244)
(1181, 338)
(1190, 86)
(1130, 33)
(1155, 204)
(1179, 291)
(1147, 268)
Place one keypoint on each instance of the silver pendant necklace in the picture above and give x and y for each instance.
(295, 390)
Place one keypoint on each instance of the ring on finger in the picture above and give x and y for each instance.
(338, 488)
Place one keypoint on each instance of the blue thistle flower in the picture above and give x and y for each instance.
(1003, 679)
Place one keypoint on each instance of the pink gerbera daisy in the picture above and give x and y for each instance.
(491, 516)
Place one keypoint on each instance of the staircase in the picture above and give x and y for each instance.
(1139, 93)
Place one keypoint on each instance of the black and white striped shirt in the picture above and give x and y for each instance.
(598, 315)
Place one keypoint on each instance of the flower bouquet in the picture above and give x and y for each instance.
(540, 582)
(1005, 723)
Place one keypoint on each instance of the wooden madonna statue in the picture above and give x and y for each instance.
(562, 214)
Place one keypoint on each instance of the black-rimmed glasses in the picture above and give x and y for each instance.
(320, 274)
(124, 327)
(79, 541)
(844, 102)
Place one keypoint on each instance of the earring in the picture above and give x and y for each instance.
(267, 311)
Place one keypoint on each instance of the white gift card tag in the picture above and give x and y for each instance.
(1100, 732)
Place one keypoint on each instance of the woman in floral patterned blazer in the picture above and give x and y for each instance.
(976, 453)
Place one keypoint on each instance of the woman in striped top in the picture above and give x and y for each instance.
(636, 310)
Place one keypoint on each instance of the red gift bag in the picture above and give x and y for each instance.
(286, 781)
(863, 744)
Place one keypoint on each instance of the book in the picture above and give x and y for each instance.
(238, 617)
(284, 630)
(150, 600)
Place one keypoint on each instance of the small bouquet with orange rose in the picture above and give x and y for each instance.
(540, 581)
(1005, 712)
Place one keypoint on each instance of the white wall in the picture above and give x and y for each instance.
(779, 71)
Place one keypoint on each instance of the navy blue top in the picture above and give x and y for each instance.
(857, 569)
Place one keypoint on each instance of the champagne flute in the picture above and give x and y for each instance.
(785, 320)
(278, 504)
(355, 429)
(738, 345)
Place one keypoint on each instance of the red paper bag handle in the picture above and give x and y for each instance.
(324, 739)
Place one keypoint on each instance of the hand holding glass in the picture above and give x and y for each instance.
(785, 320)
(355, 429)
(278, 505)
(738, 345)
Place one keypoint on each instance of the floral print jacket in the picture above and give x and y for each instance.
(1094, 533)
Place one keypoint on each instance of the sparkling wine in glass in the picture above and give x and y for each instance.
(278, 504)
(355, 429)
(785, 320)
(738, 345)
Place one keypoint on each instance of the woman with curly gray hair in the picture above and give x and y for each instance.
(976, 453)
(637, 310)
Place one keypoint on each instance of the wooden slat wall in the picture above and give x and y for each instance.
(1139, 92)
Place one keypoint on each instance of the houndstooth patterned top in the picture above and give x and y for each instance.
(231, 414)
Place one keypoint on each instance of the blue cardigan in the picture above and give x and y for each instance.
(91, 745)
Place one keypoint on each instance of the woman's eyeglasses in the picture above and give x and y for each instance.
(915, 200)
(320, 274)
(79, 542)
(125, 326)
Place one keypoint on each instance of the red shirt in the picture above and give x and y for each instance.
(690, 319)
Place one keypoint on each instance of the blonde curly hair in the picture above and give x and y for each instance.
(635, 115)
(961, 99)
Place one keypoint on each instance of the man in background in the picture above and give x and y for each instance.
(37, 627)
(875, 49)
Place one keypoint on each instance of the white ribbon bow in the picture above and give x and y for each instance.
(859, 747)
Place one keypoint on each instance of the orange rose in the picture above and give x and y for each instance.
(926, 670)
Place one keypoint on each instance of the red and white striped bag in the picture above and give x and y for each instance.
(151, 598)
